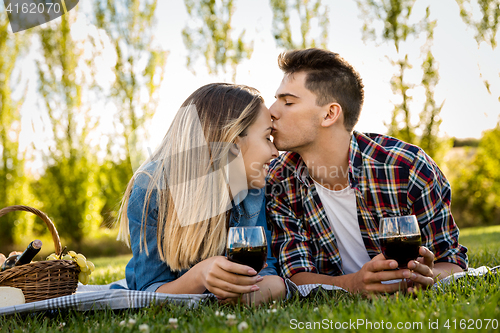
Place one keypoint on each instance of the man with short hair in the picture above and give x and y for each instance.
(328, 192)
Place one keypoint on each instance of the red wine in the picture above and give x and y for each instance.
(254, 257)
(24, 258)
(401, 248)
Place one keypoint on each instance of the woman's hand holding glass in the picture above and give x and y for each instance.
(226, 279)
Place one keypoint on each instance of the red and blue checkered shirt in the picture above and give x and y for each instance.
(389, 178)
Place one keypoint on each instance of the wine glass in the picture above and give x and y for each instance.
(399, 238)
(247, 246)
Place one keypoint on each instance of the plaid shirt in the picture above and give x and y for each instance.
(389, 178)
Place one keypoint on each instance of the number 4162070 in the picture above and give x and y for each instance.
(33, 8)
(471, 324)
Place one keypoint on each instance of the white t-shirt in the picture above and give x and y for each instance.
(341, 210)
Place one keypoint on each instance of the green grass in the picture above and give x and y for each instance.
(462, 306)
(481, 238)
(109, 269)
(483, 244)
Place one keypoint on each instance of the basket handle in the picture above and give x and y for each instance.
(43, 216)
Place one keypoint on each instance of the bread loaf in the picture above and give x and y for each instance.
(11, 296)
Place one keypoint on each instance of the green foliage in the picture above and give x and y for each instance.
(486, 27)
(309, 12)
(395, 14)
(398, 26)
(13, 181)
(476, 189)
(430, 121)
(139, 69)
(208, 34)
(404, 129)
(78, 191)
(112, 179)
(140, 64)
(67, 187)
(467, 142)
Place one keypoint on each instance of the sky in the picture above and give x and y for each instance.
(468, 107)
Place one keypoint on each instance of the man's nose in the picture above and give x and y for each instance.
(275, 114)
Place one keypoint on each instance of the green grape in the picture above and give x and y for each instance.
(81, 262)
(91, 266)
(84, 269)
(82, 277)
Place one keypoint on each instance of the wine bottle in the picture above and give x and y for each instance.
(24, 258)
(31, 251)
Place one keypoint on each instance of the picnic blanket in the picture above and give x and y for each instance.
(97, 297)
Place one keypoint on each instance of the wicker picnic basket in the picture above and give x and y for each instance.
(42, 279)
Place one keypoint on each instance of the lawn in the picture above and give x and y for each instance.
(468, 304)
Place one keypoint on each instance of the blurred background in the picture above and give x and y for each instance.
(85, 97)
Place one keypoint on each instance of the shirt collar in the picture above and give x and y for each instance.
(355, 162)
(355, 159)
(248, 204)
(302, 172)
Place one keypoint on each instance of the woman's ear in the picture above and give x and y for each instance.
(235, 147)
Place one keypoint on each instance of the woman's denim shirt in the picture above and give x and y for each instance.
(148, 272)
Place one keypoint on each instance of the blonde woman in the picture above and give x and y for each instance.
(208, 174)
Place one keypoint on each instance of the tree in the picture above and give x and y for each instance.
(476, 189)
(208, 33)
(139, 71)
(398, 27)
(13, 184)
(67, 187)
(395, 15)
(310, 13)
(486, 27)
(430, 121)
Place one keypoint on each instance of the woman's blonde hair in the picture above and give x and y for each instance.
(192, 191)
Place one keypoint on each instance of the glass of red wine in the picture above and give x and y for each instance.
(399, 238)
(247, 246)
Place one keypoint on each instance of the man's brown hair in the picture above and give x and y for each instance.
(330, 77)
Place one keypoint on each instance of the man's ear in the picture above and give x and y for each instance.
(334, 113)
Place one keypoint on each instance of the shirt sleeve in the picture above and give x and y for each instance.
(429, 195)
(290, 240)
(146, 271)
